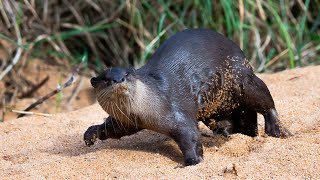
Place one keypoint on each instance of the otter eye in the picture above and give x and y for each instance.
(126, 73)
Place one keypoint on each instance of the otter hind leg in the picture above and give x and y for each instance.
(273, 126)
(240, 121)
(109, 129)
(256, 96)
(245, 122)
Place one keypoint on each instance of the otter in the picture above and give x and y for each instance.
(195, 75)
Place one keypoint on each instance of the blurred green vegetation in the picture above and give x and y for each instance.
(274, 35)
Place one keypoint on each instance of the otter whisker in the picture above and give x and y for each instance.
(112, 119)
(127, 108)
(122, 113)
(104, 104)
(121, 104)
(117, 118)
(101, 93)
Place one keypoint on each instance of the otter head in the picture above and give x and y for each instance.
(124, 94)
(114, 88)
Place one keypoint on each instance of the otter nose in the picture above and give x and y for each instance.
(118, 79)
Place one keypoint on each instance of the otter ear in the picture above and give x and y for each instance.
(94, 82)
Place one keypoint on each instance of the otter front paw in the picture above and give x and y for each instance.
(90, 136)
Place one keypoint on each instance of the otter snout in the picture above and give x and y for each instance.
(95, 81)
(110, 77)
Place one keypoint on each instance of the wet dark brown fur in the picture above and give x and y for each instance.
(196, 75)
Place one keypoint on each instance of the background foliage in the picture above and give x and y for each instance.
(274, 35)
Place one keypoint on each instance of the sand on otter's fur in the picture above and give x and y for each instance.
(52, 147)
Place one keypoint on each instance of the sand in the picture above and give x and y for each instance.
(37, 147)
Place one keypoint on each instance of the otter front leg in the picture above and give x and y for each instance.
(187, 137)
(190, 145)
(111, 128)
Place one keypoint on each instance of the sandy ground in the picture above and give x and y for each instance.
(52, 147)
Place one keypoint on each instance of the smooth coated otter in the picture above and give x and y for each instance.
(195, 75)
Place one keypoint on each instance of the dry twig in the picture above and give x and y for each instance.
(31, 113)
(70, 81)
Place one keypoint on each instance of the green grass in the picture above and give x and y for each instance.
(128, 32)
(301, 30)
(283, 28)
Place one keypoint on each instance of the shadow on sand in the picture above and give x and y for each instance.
(145, 140)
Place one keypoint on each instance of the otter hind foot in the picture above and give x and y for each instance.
(223, 127)
(274, 127)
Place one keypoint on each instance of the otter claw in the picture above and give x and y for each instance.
(285, 133)
(90, 141)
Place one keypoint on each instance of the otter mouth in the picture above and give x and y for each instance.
(120, 89)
